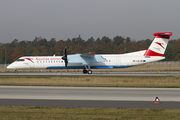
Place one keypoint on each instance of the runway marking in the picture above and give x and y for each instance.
(86, 99)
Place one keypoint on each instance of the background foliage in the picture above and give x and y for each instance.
(118, 45)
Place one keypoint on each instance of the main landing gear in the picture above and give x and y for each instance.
(85, 71)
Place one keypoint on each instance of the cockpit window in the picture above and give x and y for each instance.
(20, 60)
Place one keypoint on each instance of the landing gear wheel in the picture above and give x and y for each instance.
(15, 71)
(85, 71)
(89, 71)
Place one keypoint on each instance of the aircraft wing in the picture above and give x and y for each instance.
(89, 54)
(85, 59)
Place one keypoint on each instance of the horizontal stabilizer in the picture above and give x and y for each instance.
(165, 35)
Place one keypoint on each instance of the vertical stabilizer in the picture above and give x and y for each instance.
(159, 44)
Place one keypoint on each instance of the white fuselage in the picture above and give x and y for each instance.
(111, 61)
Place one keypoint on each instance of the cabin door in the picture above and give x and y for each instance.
(118, 61)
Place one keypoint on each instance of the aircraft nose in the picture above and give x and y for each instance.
(11, 66)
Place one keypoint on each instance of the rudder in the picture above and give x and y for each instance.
(159, 44)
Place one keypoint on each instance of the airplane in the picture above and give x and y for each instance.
(90, 60)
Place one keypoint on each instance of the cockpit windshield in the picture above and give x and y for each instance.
(20, 60)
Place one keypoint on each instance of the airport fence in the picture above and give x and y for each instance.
(4, 65)
(164, 63)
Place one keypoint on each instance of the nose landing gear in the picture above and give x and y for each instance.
(15, 71)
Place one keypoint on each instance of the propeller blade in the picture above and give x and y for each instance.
(65, 58)
(66, 62)
(65, 53)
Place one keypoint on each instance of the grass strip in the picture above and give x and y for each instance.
(90, 81)
(60, 113)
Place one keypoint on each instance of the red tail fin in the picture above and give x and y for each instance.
(159, 44)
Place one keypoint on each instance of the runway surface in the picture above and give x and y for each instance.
(153, 73)
(89, 103)
(89, 97)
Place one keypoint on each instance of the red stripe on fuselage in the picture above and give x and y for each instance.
(152, 53)
(29, 59)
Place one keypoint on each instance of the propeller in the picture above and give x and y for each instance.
(65, 57)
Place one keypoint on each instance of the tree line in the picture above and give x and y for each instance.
(9, 52)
